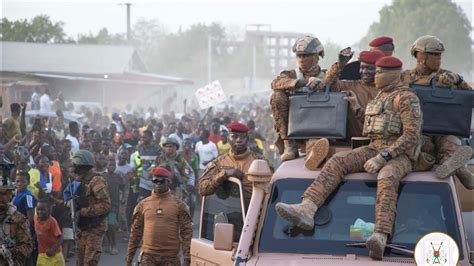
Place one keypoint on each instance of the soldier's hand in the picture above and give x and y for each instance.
(233, 172)
(374, 164)
(448, 79)
(353, 102)
(345, 56)
(300, 83)
(314, 83)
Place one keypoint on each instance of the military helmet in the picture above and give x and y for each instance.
(308, 45)
(22, 152)
(83, 157)
(6, 184)
(171, 140)
(427, 44)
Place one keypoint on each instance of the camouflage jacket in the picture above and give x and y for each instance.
(214, 175)
(98, 199)
(415, 76)
(288, 78)
(16, 228)
(405, 105)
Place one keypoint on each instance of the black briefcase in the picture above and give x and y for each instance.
(446, 111)
(318, 115)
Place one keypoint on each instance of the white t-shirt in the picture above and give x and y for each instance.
(74, 143)
(45, 103)
(207, 152)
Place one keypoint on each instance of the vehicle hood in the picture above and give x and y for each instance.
(276, 259)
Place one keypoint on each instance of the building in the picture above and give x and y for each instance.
(111, 76)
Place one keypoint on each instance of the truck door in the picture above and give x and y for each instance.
(224, 206)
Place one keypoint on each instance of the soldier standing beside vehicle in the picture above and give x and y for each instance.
(308, 73)
(361, 92)
(393, 122)
(93, 205)
(15, 238)
(234, 163)
(446, 150)
(163, 224)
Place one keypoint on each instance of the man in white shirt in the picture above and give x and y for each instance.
(45, 102)
(206, 150)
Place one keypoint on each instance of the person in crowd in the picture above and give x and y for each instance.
(49, 237)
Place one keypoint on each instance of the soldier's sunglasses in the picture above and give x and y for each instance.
(158, 181)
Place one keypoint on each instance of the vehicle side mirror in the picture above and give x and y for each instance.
(223, 236)
(471, 257)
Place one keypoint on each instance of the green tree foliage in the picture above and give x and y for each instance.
(406, 20)
(38, 29)
(102, 37)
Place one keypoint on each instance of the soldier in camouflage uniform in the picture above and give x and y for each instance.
(308, 50)
(93, 205)
(15, 237)
(163, 224)
(446, 150)
(393, 122)
(361, 92)
(234, 163)
(182, 173)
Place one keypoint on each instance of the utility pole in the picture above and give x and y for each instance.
(209, 59)
(254, 52)
(129, 29)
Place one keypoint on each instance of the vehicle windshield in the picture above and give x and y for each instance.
(348, 217)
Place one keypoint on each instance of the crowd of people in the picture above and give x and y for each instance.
(125, 147)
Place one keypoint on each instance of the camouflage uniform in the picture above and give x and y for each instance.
(400, 139)
(214, 175)
(286, 83)
(92, 221)
(164, 225)
(440, 148)
(182, 173)
(280, 99)
(16, 228)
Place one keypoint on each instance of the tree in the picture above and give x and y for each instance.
(406, 20)
(38, 29)
(102, 37)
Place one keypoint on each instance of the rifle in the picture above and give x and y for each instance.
(72, 206)
(7, 244)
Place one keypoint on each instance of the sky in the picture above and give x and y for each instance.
(340, 21)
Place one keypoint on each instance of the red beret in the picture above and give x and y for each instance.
(370, 57)
(389, 62)
(238, 127)
(160, 172)
(380, 41)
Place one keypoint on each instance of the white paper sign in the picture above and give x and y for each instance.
(210, 95)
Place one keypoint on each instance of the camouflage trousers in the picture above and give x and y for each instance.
(441, 147)
(90, 246)
(388, 180)
(280, 103)
(154, 260)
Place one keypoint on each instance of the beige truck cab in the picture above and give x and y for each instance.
(231, 234)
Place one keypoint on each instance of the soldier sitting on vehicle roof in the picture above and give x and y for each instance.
(308, 50)
(446, 150)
